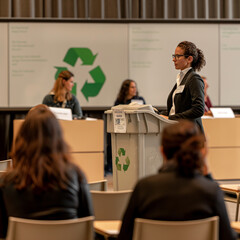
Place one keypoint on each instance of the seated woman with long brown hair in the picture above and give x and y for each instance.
(128, 93)
(43, 182)
(61, 96)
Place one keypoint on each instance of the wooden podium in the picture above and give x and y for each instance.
(86, 141)
(223, 135)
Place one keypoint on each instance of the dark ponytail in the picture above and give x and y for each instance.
(190, 49)
(183, 142)
(189, 157)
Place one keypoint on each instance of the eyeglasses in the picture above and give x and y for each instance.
(177, 56)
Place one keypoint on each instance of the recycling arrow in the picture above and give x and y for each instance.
(121, 152)
(85, 54)
(92, 89)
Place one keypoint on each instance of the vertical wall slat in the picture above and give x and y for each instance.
(121, 8)
(39, 12)
(230, 9)
(59, 8)
(154, 8)
(75, 8)
(24, 8)
(47, 8)
(95, 9)
(5, 8)
(165, 13)
(118, 9)
(195, 10)
(130, 8)
(102, 9)
(126, 9)
(218, 9)
(86, 9)
(206, 9)
(179, 9)
(143, 3)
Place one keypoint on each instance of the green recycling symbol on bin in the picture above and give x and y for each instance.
(122, 153)
(88, 58)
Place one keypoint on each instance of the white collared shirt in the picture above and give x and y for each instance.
(179, 79)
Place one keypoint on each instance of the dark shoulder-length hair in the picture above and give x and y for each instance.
(124, 90)
(58, 88)
(41, 158)
(183, 142)
(190, 49)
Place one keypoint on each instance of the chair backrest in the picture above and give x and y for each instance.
(71, 229)
(110, 205)
(4, 164)
(98, 185)
(203, 229)
(2, 172)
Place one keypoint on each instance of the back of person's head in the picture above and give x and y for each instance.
(190, 49)
(40, 155)
(183, 142)
(58, 87)
(124, 90)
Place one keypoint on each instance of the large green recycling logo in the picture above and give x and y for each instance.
(122, 155)
(88, 89)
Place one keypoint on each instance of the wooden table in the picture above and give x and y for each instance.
(108, 228)
(236, 226)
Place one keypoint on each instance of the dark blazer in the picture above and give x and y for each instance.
(171, 197)
(53, 204)
(189, 102)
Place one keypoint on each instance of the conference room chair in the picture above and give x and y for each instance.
(4, 164)
(100, 185)
(71, 229)
(110, 205)
(202, 229)
(232, 194)
(2, 172)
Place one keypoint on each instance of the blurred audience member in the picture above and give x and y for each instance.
(128, 93)
(208, 103)
(43, 182)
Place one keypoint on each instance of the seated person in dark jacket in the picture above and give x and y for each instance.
(43, 183)
(128, 93)
(183, 189)
(60, 95)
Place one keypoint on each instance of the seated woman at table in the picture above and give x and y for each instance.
(43, 183)
(183, 189)
(128, 93)
(61, 96)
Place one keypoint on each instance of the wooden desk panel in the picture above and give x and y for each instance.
(222, 132)
(81, 135)
(84, 135)
(86, 140)
(92, 164)
(223, 135)
(224, 163)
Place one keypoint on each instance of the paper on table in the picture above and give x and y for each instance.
(235, 187)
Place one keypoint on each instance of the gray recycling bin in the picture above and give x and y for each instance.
(135, 133)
